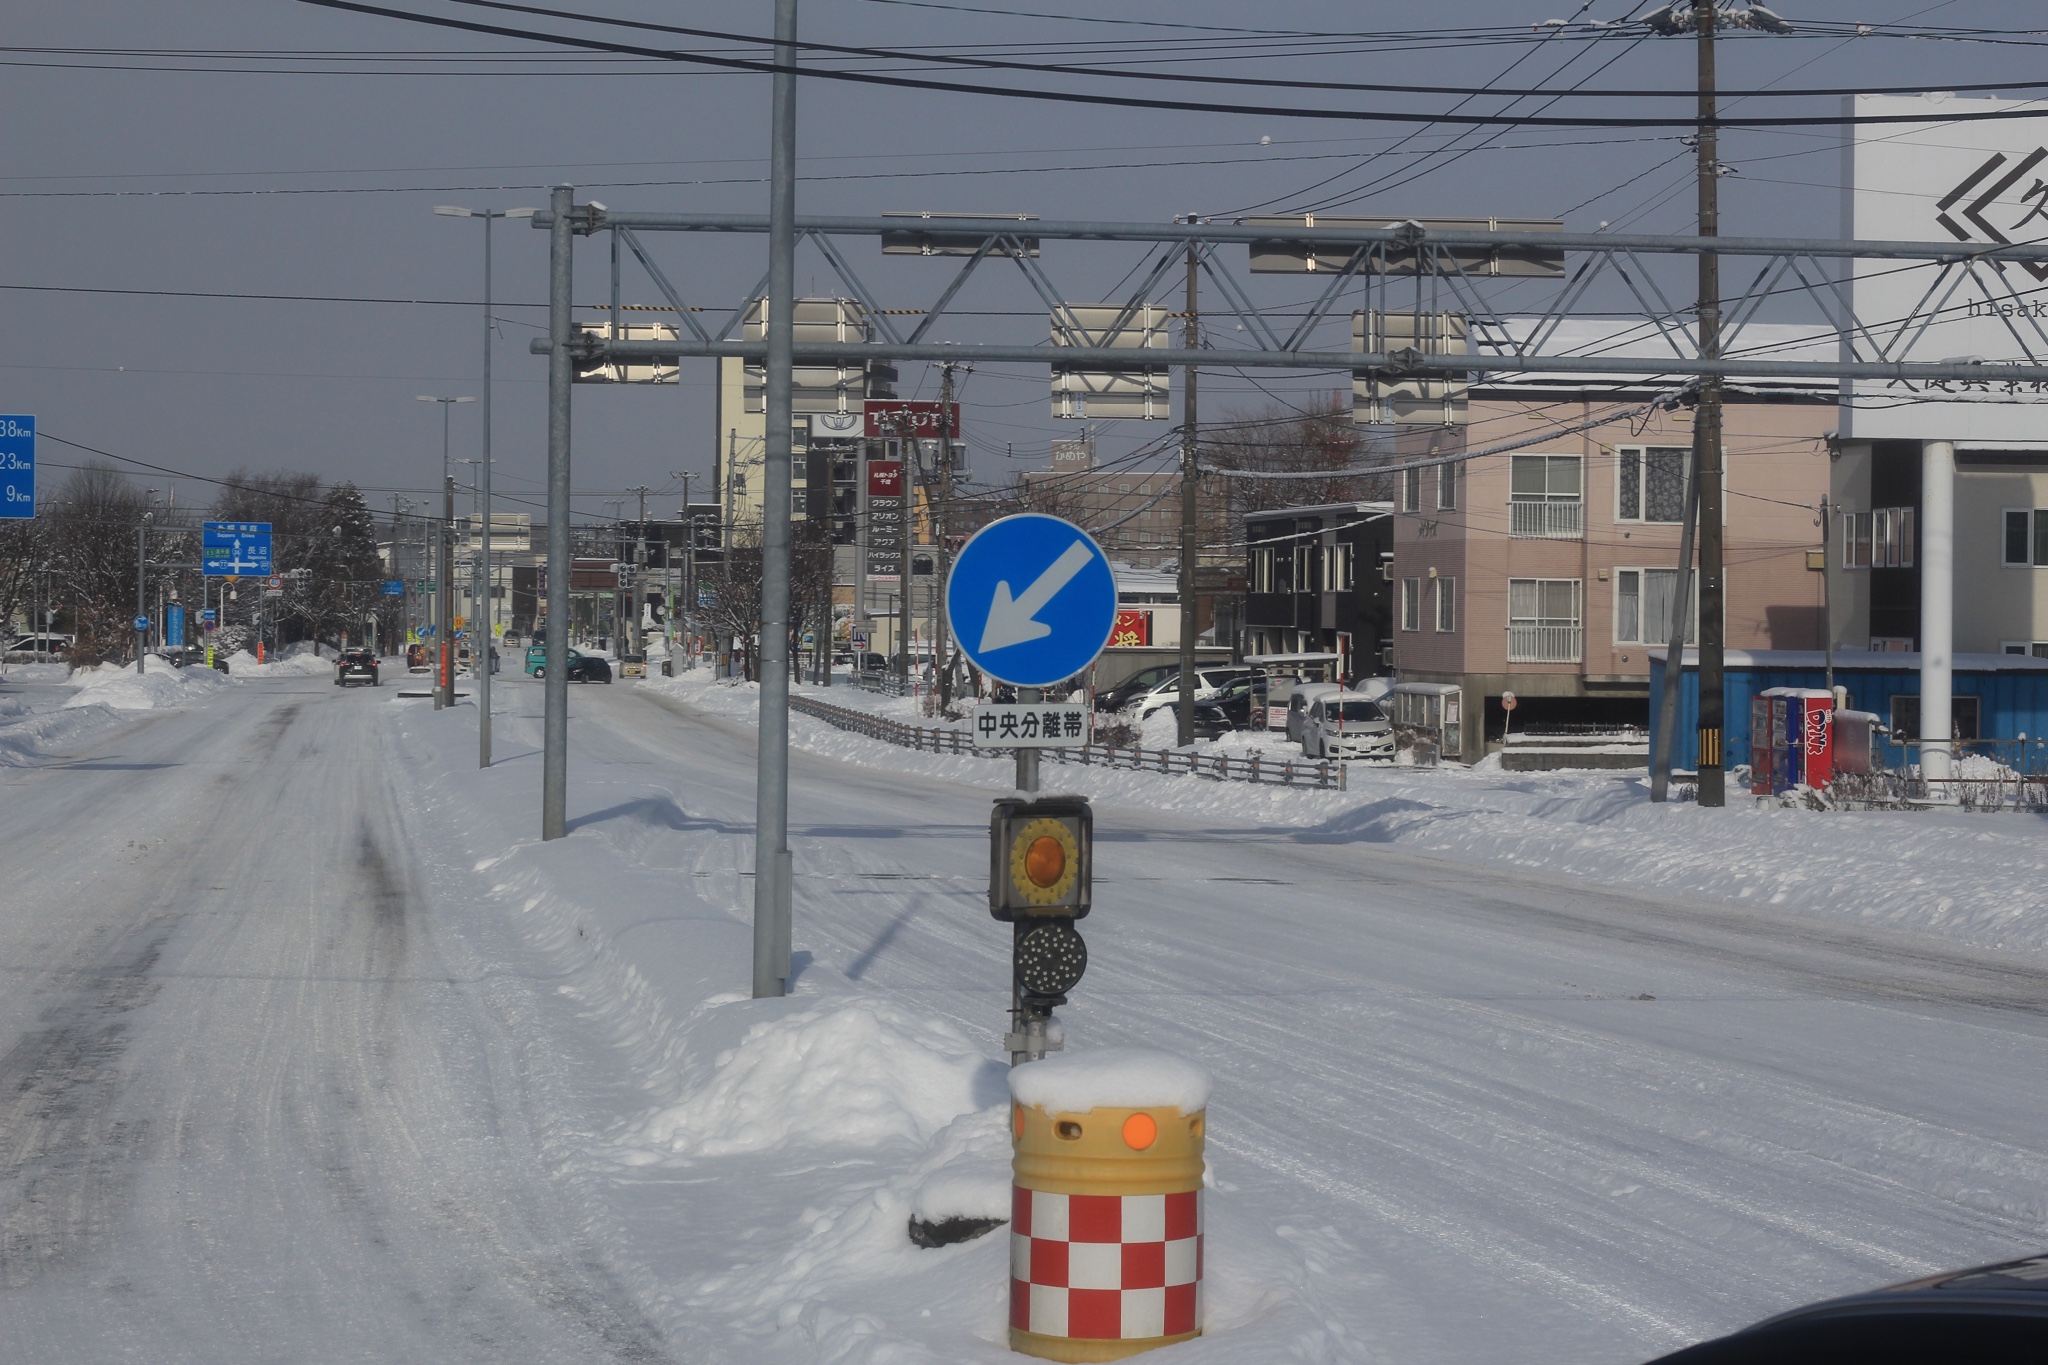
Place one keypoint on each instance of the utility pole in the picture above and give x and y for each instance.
(141, 577)
(554, 791)
(1706, 437)
(445, 687)
(942, 561)
(1674, 654)
(639, 570)
(684, 609)
(1188, 485)
(771, 793)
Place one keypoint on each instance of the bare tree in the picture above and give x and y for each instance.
(1281, 439)
(731, 593)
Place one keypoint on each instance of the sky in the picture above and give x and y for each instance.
(182, 159)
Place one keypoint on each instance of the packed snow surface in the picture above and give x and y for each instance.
(1111, 1078)
(314, 1050)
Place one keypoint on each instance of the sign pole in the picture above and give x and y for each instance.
(772, 890)
(554, 782)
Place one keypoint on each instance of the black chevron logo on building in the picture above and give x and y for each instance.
(1975, 227)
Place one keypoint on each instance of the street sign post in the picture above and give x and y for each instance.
(142, 623)
(1031, 600)
(234, 549)
(208, 618)
(17, 467)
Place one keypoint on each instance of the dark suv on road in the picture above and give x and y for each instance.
(357, 665)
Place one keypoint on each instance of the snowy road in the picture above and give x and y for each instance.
(280, 1063)
(247, 1113)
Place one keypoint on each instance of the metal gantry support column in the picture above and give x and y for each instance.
(554, 782)
(1937, 613)
(484, 610)
(1706, 435)
(445, 683)
(1189, 467)
(771, 796)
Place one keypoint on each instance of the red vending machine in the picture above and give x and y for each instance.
(1816, 711)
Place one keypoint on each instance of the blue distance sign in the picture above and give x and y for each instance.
(395, 587)
(1031, 600)
(234, 549)
(17, 467)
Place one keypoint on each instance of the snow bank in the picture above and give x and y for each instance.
(160, 684)
(298, 663)
(1111, 1078)
(861, 1073)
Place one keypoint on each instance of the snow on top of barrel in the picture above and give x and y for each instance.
(1111, 1078)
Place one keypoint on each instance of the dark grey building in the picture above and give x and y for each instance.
(1316, 582)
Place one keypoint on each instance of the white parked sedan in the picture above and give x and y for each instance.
(1347, 725)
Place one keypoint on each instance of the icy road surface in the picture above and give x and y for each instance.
(309, 1052)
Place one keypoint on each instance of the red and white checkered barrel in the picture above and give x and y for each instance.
(1106, 1231)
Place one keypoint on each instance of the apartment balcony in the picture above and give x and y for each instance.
(1547, 520)
(1543, 643)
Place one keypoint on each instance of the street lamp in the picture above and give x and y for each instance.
(444, 590)
(483, 677)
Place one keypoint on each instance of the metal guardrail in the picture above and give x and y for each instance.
(1221, 767)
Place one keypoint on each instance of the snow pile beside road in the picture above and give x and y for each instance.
(299, 664)
(160, 684)
(1111, 1078)
(862, 1073)
(1971, 878)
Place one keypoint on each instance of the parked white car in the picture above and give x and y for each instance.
(1299, 700)
(1346, 725)
(1208, 682)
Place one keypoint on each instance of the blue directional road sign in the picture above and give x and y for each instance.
(1031, 600)
(17, 467)
(393, 587)
(234, 549)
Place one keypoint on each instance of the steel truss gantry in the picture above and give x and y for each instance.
(1405, 267)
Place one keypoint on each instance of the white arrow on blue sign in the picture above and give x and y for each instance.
(142, 623)
(1031, 600)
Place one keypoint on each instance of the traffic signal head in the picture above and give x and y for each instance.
(1041, 856)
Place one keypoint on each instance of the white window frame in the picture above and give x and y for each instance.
(1623, 455)
(1411, 604)
(1262, 569)
(2037, 551)
(1661, 629)
(1549, 516)
(1411, 490)
(1568, 634)
(1446, 606)
(1447, 487)
(1339, 567)
(1882, 538)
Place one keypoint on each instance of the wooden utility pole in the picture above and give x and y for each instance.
(1706, 437)
(1189, 476)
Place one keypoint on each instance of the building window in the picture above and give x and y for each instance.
(1543, 620)
(1446, 488)
(1411, 604)
(1650, 483)
(1446, 605)
(2026, 535)
(2036, 648)
(1411, 490)
(1262, 570)
(1338, 574)
(1545, 497)
(1883, 539)
(1642, 607)
(1304, 579)
(1963, 714)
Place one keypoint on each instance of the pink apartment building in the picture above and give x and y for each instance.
(1549, 571)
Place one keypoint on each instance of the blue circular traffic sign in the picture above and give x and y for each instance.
(1031, 600)
(142, 623)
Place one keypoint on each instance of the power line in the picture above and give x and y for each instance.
(1126, 101)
